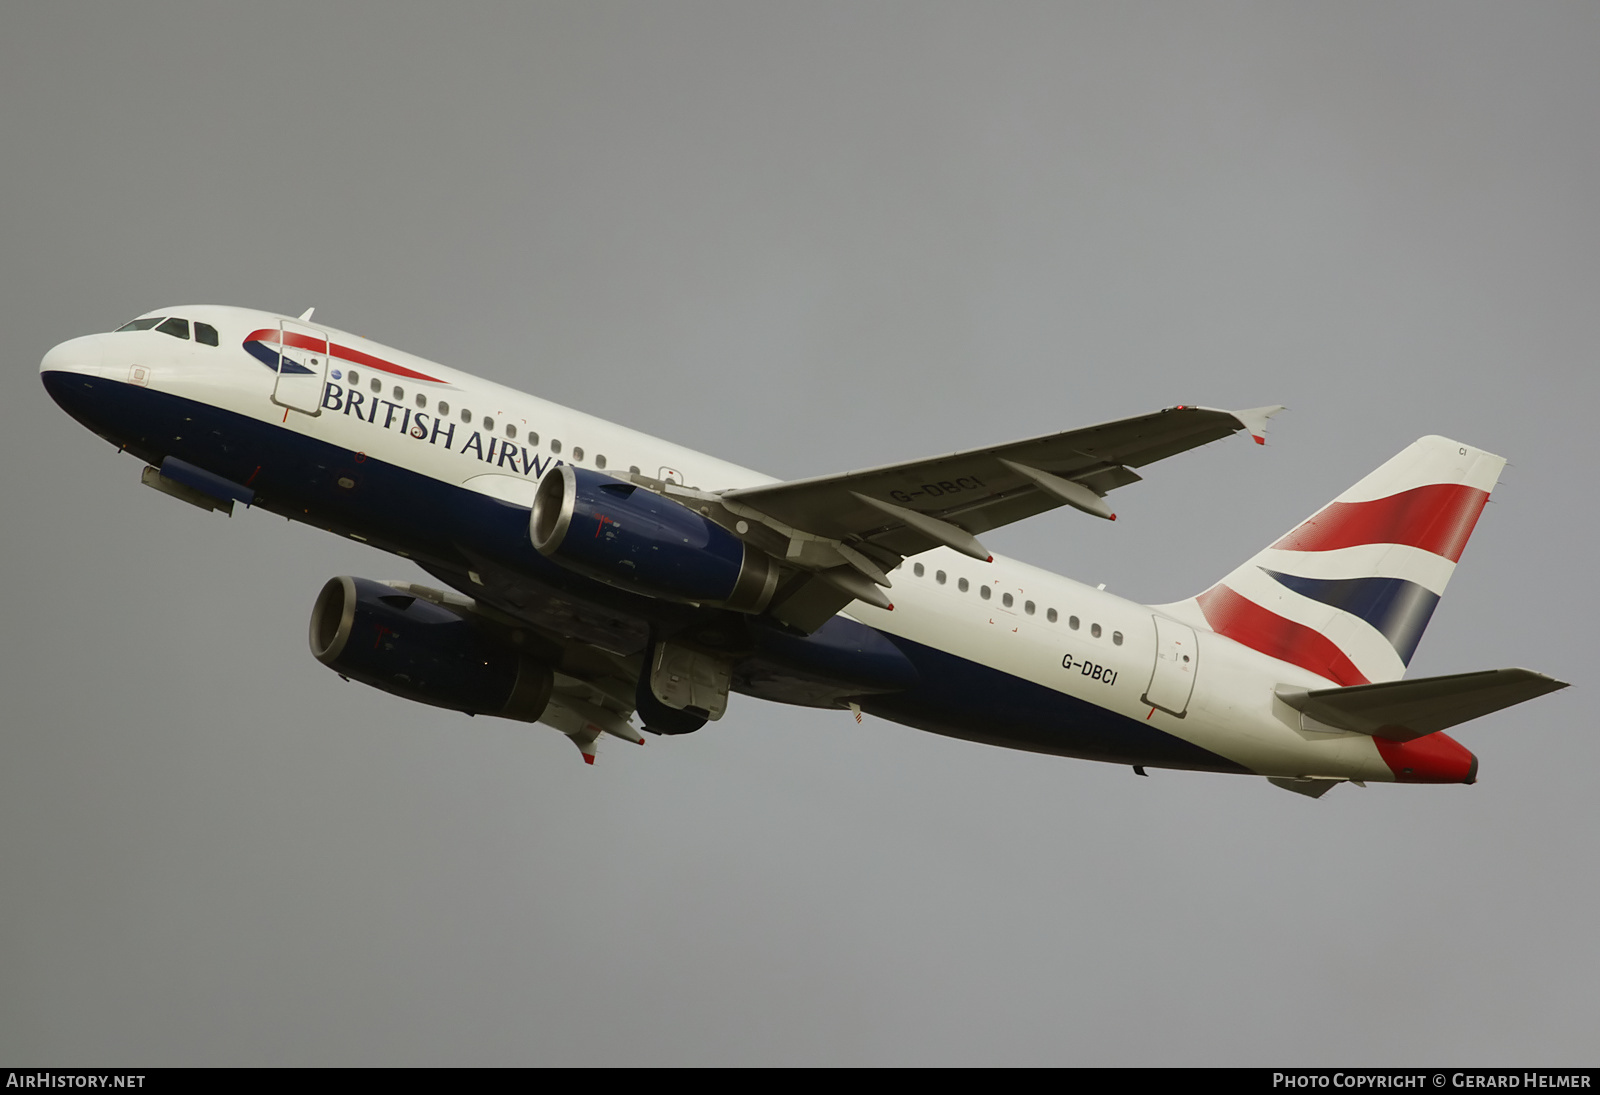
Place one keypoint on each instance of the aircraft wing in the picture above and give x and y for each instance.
(981, 489)
(867, 521)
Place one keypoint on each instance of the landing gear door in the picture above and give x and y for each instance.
(302, 367)
(1177, 661)
(690, 681)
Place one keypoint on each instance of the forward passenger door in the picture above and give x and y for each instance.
(302, 367)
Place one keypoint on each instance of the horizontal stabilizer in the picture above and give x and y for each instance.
(1407, 710)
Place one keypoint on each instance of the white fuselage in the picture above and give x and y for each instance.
(494, 440)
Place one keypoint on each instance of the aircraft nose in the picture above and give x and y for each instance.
(73, 373)
(76, 355)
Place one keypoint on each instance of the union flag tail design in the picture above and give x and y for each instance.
(1347, 593)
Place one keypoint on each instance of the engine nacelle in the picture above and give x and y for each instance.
(411, 647)
(635, 539)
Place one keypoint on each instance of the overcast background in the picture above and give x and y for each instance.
(803, 237)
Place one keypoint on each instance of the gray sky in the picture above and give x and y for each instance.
(805, 238)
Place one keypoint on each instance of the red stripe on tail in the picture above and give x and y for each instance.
(1438, 518)
(1246, 622)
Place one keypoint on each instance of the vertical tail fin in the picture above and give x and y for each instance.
(1347, 593)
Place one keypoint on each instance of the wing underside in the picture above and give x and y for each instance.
(842, 534)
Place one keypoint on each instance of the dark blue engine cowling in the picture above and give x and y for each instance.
(635, 539)
(413, 648)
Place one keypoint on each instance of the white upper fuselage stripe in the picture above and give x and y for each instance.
(1426, 569)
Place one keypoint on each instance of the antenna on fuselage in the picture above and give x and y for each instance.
(306, 315)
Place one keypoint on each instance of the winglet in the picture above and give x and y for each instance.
(1255, 420)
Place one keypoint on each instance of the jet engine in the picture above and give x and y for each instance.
(433, 653)
(632, 538)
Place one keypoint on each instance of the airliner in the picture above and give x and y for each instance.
(602, 581)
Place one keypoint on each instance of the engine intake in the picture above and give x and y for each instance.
(410, 647)
(634, 539)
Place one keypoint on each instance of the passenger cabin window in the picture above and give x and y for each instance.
(599, 460)
(205, 334)
(399, 393)
(140, 324)
(983, 591)
(511, 430)
(444, 408)
(377, 385)
(962, 585)
(577, 452)
(1116, 637)
(917, 569)
(422, 400)
(1005, 599)
(1094, 629)
(1027, 606)
(555, 446)
(177, 328)
(1072, 622)
(1050, 614)
(488, 425)
(466, 415)
(938, 576)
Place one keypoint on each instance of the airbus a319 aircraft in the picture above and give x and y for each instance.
(595, 575)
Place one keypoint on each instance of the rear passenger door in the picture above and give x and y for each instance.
(1177, 662)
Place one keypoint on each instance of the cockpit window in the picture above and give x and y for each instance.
(140, 324)
(177, 328)
(205, 333)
